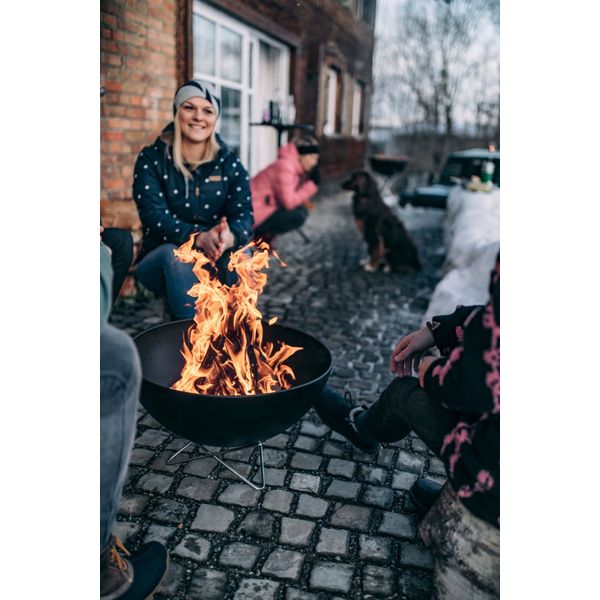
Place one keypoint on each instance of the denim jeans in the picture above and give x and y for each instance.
(166, 276)
(120, 379)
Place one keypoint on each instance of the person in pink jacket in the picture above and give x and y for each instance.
(282, 191)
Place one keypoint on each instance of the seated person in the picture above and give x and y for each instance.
(189, 183)
(281, 192)
(454, 407)
(120, 243)
(123, 574)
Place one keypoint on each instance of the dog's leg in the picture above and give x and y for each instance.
(375, 257)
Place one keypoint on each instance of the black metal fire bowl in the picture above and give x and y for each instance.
(227, 421)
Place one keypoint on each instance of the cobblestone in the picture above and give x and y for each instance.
(194, 547)
(343, 489)
(378, 496)
(403, 481)
(278, 500)
(256, 589)
(240, 494)
(239, 555)
(159, 533)
(308, 462)
(258, 524)
(341, 468)
(305, 483)
(212, 518)
(351, 516)
(330, 576)
(207, 584)
(377, 580)
(333, 541)
(412, 555)
(401, 526)
(310, 506)
(153, 482)
(296, 532)
(285, 564)
(169, 511)
(196, 488)
(374, 548)
(412, 463)
(333, 524)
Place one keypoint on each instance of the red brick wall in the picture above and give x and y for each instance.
(138, 68)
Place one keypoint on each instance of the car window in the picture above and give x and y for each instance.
(465, 168)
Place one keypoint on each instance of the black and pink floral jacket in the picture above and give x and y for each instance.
(466, 379)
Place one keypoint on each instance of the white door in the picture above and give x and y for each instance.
(248, 69)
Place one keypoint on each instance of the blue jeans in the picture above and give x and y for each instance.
(165, 275)
(120, 379)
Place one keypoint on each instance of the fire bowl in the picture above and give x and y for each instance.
(227, 421)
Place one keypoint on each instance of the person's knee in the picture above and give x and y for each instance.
(119, 362)
(299, 216)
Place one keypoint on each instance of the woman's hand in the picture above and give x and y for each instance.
(215, 241)
(406, 356)
(425, 364)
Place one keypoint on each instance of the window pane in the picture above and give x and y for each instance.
(231, 55)
(204, 45)
(231, 118)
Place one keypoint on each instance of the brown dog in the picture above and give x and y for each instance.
(387, 240)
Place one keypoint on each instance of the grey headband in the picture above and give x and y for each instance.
(200, 89)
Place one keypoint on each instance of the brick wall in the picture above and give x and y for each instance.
(138, 69)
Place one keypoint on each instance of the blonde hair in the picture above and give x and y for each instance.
(211, 150)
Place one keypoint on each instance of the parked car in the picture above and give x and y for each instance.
(459, 166)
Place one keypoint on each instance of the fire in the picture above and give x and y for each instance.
(226, 354)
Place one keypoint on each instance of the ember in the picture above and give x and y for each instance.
(226, 355)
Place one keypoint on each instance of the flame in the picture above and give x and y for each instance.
(226, 354)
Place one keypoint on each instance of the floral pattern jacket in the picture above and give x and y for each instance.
(466, 379)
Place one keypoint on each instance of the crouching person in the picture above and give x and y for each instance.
(131, 576)
(454, 407)
(282, 191)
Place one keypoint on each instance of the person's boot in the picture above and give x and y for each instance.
(424, 493)
(339, 413)
(133, 578)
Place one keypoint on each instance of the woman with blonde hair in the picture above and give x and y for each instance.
(189, 183)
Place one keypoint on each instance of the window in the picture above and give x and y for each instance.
(358, 124)
(248, 69)
(332, 124)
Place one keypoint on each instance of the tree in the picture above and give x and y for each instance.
(436, 63)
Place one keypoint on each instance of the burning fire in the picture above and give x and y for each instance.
(226, 354)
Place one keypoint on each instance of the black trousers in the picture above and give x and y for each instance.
(403, 407)
(121, 244)
(281, 221)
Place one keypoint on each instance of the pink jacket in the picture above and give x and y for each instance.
(282, 184)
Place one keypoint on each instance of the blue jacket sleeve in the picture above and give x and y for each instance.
(238, 209)
(158, 221)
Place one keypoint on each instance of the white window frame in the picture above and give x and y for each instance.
(357, 108)
(253, 37)
(332, 83)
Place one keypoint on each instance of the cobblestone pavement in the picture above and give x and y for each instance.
(333, 522)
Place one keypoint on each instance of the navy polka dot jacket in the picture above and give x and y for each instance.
(171, 208)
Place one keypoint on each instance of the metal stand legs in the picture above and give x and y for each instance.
(216, 455)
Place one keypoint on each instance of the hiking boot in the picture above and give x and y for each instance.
(339, 413)
(424, 494)
(133, 578)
